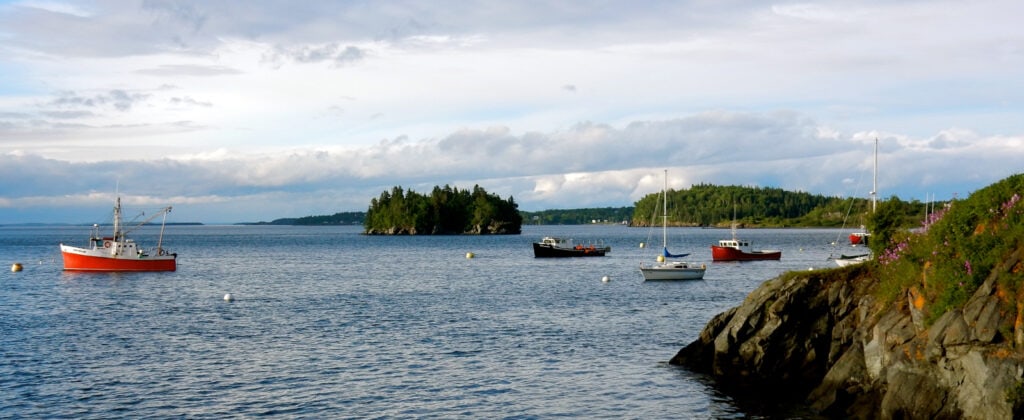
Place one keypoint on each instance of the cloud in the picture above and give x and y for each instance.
(189, 70)
(331, 53)
(325, 104)
(560, 169)
(118, 99)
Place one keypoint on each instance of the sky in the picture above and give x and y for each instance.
(243, 111)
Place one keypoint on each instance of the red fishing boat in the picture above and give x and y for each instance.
(117, 252)
(738, 250)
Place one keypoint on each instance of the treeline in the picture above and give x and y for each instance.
(449, 210)
(711, 205)
(446, 210)
(343, 218)
(578, 216)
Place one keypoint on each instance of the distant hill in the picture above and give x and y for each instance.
(343, 218)
(578, 216)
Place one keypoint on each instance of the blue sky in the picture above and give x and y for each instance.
(247, 111)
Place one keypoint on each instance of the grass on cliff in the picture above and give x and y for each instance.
(956, 249)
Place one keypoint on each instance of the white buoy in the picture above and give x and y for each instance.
(661, 258)
(642, 245)
(16, 267)
(229, 298)
(470, 255)
(605, 279)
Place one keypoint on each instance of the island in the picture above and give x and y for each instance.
(446, 211)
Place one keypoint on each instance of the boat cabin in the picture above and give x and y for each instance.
(557, 242)
(733, 243)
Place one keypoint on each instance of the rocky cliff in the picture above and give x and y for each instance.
(933, 327)
(825, 338)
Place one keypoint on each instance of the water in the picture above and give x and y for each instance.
(331, 323)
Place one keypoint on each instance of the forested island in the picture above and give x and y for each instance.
(702, 205)
(719, 206)
(446, 211)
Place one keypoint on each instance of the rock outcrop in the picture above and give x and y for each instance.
(824, 338)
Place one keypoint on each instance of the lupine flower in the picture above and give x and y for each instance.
(967, 266)
(1010, 203)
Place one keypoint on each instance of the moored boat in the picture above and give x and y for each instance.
(117, 252)
(739, 250)
(670, 270)
(862, 237)
(847, 260)
(552, 247)
(859, 238)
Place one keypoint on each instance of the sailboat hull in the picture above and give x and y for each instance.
(673, 271)
(81, 259)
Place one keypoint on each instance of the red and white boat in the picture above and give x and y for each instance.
(738, 250)
(862, 237)
(117, 252)
(859, 238)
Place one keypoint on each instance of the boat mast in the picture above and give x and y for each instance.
(874, 180)
(160, 241)
(664, 213)
(117, 220)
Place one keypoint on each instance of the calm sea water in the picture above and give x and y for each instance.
(331, 323)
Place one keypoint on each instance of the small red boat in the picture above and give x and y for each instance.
(117, 252)
(737, 250)
(859, 238)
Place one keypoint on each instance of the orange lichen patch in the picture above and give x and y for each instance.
(1002, 353)
(917, 298)
(1017, 268)
(1001, 293)
(980, 229)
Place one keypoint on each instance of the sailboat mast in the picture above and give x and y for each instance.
(664, 212)
(874, 180)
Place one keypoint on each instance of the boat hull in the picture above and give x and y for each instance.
(848, 260)
(859, 238)
(673, 271)
(548, 251)
(724, 253)
(80, 259)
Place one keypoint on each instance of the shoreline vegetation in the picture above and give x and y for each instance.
(448, 210)
(932, 327)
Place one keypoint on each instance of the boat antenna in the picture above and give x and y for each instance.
(733, 225)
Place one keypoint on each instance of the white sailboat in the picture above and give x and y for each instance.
(670, 270)
(861, 238)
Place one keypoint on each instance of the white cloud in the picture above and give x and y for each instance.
(558, 104)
